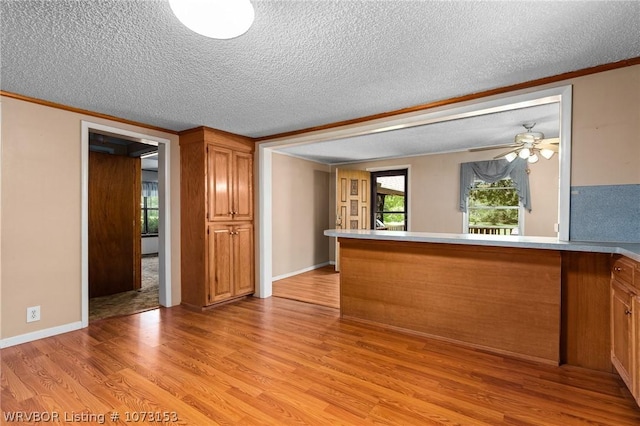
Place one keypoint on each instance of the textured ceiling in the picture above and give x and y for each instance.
(448, 136)
(302, 63)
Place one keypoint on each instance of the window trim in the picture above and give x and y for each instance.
(144, 223)
(521, 216)
(395, 171)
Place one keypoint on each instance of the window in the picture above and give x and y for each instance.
(150, 214)
(493, 208)
(389, 192)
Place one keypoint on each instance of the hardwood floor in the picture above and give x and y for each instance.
(278, 361)
(320, 286)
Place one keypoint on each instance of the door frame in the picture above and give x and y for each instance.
(164, 228)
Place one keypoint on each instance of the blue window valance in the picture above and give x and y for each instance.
(492, 171)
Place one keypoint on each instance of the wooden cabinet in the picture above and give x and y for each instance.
(625, 322)
(621, 331)
(229, 184)
(230, 251)
(217, 252)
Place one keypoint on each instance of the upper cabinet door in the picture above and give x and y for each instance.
(219, 184)
(242, 186)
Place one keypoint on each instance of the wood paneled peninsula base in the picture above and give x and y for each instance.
(533, 298)
(502, 299)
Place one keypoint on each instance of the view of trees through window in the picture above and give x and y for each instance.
(150, 213)
(389, 190)
(493, 208)
(393, 203)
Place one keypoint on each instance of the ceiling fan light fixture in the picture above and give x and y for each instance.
(529, 137)
(533, 158)
(547, 153)
(511, 156)
(221, 19)
(524, 153)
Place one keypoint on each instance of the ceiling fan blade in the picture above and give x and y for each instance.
(553, 148)
(488, 148)
(554, 141)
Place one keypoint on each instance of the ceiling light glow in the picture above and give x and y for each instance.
(221, 19)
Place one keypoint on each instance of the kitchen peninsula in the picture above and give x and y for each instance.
(534, 298)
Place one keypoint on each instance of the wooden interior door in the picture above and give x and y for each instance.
(352, 202)
(115, 188)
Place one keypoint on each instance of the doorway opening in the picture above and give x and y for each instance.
(125, 222)
(123, 259)
(389, 194)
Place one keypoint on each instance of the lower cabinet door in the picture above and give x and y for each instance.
(621, 333)
(243, 259)
(220, 262)
(635, 353)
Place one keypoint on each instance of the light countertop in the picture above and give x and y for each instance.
(630, 250)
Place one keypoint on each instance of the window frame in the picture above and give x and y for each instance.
(374, 194)
(520, 208)
(145, 217)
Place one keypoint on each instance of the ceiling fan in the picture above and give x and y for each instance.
(528, 145)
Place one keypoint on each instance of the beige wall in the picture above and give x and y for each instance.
(434, 187)
(300, 214)
(41, 208)
(606, 128)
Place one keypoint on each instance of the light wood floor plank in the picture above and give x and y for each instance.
(320, 287)
(279, 361)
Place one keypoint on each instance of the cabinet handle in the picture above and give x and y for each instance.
(617, 269)
(627, 312)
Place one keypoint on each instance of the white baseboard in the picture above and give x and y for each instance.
(40, 334)
(291, 274)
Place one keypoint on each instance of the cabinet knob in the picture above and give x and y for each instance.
(617, 269)
(627, 312)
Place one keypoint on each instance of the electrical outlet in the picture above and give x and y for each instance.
(33, 313)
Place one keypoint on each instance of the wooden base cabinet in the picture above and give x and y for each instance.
(217, 244)
(625, 322)
(622, 332)
(230, 251)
